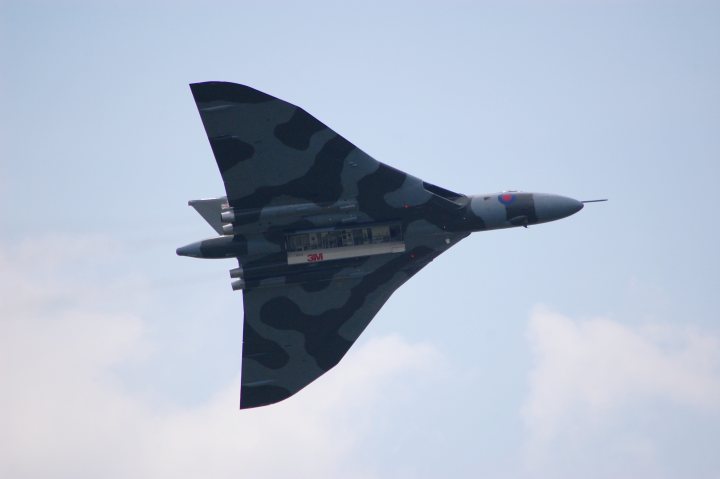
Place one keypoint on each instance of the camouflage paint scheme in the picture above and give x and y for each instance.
(285, 171)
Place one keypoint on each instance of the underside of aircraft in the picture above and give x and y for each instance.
(323, 233)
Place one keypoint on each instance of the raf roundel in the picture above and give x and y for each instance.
(506, 198)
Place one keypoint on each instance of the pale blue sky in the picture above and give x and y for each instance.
(588, 347)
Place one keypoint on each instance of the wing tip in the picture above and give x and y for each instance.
(261, 395)
(210, 91)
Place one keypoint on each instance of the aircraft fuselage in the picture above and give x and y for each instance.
(254, 233)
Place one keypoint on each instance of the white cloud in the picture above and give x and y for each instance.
(588, 374)
(64, 413)
(313, 434)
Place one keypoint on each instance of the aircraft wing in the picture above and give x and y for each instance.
(271, 152)
(295, 332)
(301, 319)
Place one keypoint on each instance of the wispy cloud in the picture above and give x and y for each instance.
(591, 373)
(64, 413)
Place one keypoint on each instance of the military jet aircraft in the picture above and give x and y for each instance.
(322, 232)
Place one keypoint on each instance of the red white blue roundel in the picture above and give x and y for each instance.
(506, 198)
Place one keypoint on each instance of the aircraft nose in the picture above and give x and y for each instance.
(193, 250)
(554, 207)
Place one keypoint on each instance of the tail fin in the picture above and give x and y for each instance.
(210, 210)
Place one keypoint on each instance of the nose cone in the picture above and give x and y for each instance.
(193, 250)
(554, 207)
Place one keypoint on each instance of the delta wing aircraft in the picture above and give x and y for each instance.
(323, 233)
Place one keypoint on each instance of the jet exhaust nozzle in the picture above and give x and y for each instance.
(228, 216)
